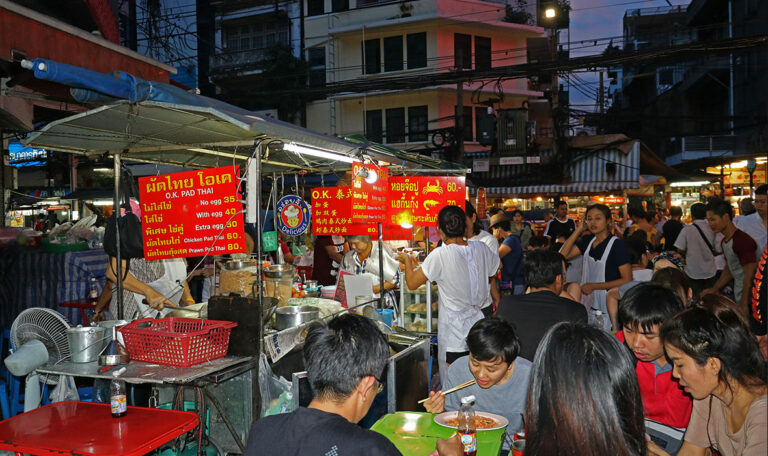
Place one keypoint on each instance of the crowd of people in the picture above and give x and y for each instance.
(680, 351)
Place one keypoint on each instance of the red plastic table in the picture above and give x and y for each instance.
(85, 428)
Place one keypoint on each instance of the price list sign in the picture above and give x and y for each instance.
(182, 213)
(416, 200)
(369, 196)
(332, 211)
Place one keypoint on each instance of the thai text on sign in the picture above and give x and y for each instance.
(183, 213)
(369, 198)
(416, 200)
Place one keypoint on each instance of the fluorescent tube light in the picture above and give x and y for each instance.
(317, 153)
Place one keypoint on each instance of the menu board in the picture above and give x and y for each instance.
(416, 200)
(369, 198)
(332, 211)
(182, 214)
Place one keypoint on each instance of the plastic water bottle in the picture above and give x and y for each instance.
(94, 293)
(117, 395)
(467, 428)
(598, 319)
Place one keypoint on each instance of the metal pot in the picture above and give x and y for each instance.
(85, 343)
(277, 271)
(288, 317)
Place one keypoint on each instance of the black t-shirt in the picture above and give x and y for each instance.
(618, 256)
(312, 432)
(534, 313)
(556, 228)
(671, 230)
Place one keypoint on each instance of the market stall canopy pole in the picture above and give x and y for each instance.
(116, 212)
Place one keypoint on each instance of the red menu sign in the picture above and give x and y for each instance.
(369, 195)
(332, 211)
(416, 200)
(182, 214)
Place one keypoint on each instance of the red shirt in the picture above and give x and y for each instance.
(663, 399)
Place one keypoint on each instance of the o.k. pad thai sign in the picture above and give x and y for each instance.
(182, 214)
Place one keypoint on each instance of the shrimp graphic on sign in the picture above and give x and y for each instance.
(293, 215)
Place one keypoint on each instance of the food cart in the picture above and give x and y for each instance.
(193, 132)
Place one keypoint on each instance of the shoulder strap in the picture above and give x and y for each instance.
(709, 244)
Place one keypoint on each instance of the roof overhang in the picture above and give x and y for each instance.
(199, 137)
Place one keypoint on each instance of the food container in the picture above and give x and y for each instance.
(289, 317)
(85, 343)
(238, 281)
(278, 271)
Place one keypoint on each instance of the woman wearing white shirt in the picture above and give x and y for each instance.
(461, 269)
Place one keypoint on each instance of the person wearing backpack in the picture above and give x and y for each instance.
(696, 242)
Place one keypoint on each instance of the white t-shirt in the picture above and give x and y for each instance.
(493, 244)
(753, 225)
(699, 262)
(461, 273)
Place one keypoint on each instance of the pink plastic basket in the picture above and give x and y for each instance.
(181, 342)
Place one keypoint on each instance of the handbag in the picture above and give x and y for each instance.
(129, 225)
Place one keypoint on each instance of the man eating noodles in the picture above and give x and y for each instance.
(501, 377)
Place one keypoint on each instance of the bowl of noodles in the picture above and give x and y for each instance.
(484, 421)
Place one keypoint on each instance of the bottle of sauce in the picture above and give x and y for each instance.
(117, 395)
(467, 428)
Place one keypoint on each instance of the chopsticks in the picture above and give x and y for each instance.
(455, 388)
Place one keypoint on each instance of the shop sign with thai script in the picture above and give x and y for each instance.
(189, 213)
(416, 200)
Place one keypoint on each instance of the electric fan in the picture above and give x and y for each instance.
(33, 327)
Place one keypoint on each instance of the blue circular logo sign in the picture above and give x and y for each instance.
(292, 215)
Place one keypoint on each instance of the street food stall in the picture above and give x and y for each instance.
(227, 147)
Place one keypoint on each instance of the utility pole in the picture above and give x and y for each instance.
(601, 96)
(459, 137)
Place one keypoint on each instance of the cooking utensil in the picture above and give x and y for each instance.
(455, 388)
(289, 317)
(85, 343)
(277, 271)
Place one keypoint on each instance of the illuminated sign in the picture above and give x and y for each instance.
(26, 156)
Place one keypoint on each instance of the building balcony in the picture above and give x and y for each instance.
(692, 148)
(237, 61)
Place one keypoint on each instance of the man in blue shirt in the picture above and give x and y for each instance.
(511, 254)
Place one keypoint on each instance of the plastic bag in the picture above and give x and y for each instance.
(276, 395)
(65, 390)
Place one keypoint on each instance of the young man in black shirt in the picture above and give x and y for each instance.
(534, 313)
(345, 361)
(559, 229)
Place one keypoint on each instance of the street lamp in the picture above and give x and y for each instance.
(550, 13)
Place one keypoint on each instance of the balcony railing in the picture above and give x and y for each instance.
(238, 59)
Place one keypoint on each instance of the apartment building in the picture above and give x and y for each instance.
(364, 40)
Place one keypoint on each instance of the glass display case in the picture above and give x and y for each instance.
(418, 308)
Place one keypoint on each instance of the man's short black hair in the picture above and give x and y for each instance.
(560, 203)
(636, 212)
(339, 354)
(699, 211)
(675, 211)
(539, 242)
(762, 190)
(493, 338)
(541, 267)
(720, 207)
(637, 247)
(648, 304)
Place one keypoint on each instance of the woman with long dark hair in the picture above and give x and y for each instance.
(717, 361)
(461, 269)
(583, 397)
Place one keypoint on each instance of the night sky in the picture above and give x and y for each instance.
(592, 19)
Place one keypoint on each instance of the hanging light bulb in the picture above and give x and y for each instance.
(372, 177)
